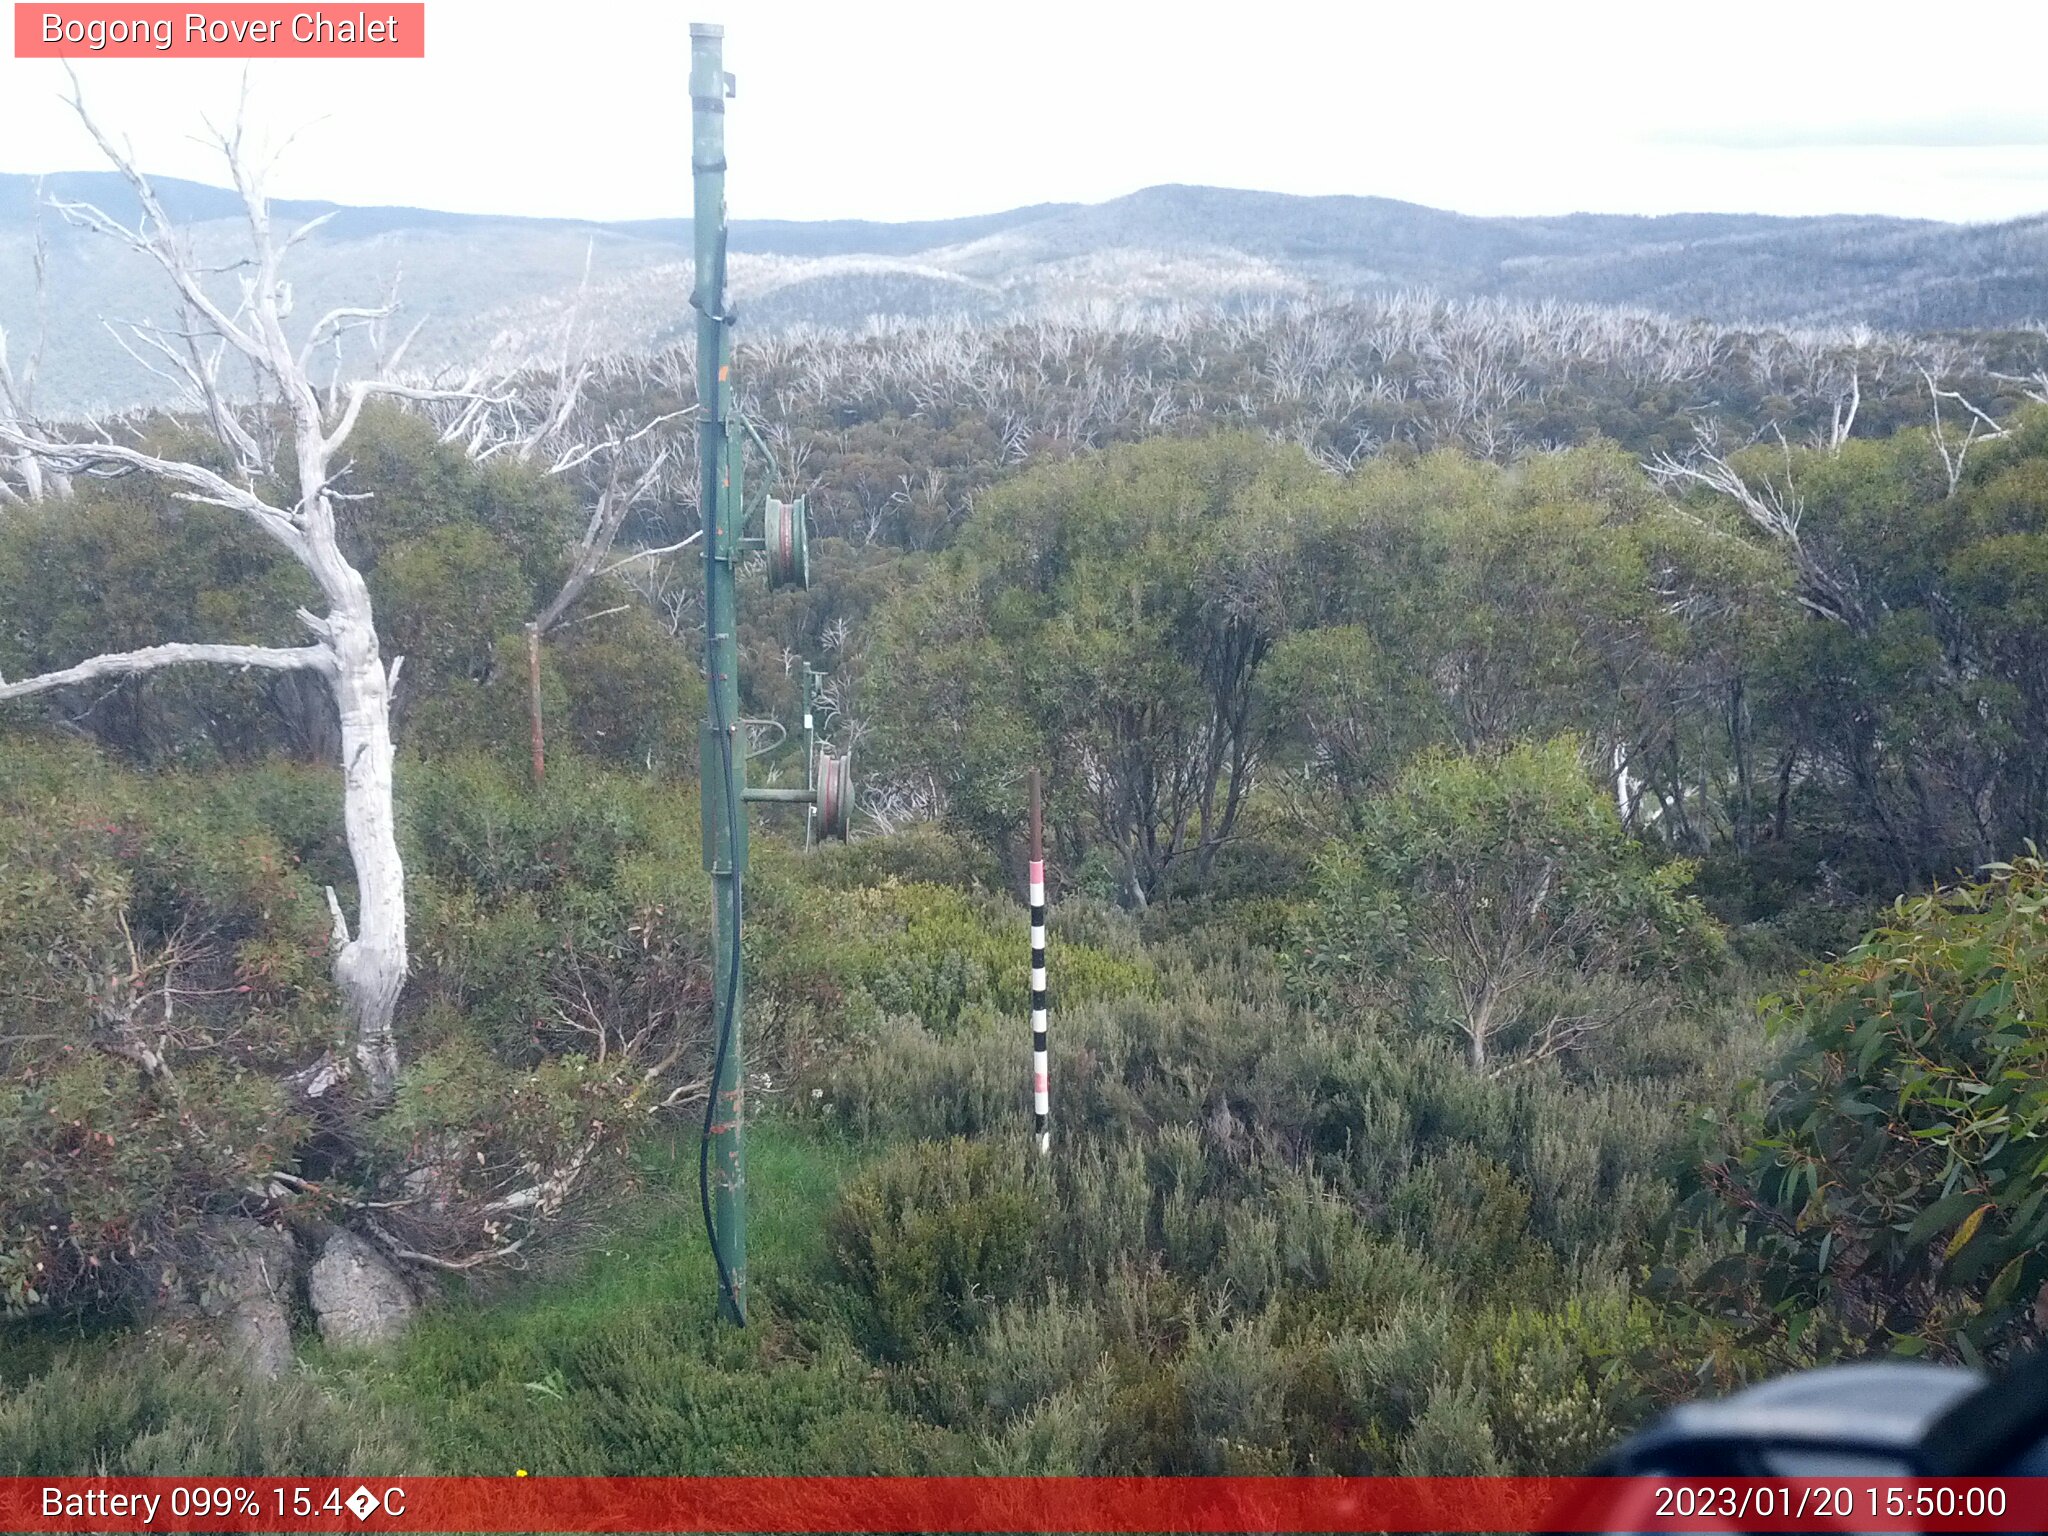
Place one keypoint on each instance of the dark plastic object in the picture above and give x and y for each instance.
(1999, 1430)
(1877, 1419)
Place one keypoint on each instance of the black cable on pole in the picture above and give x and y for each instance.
(723, 728)
(732, 992)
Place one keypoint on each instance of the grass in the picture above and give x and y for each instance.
(659, 1260)
(622, 1366)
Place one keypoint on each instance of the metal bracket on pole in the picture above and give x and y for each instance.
(828, 777)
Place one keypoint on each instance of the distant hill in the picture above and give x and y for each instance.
(505, 284)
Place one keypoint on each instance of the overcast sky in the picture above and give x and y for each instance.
(897, 109)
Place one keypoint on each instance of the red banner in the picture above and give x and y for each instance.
(232, 31)
(1048, 1504)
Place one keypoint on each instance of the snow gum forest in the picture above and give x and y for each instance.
(1541, 812)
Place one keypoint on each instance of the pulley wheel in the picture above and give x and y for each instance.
(786, 533)
(835, 795)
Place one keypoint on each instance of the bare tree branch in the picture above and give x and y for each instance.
(1981, 428)
(154, 658)
(17, 390)
(203, 485)
(1775, 507)
(613, 505)
(652, 554)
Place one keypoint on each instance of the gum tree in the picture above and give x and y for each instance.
(286, 451)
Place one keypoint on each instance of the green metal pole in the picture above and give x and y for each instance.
(722, 759)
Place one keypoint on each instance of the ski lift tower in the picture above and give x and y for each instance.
(722, 754)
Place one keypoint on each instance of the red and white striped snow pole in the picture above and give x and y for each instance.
(1041, 1085)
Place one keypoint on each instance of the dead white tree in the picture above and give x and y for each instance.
(616, 498)
(1774, 506)
(619, 467)
(370, 963)
(17, 391)
(1954, 453)
(1845, 405)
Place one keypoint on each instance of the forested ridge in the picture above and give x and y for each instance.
(480, 282)
(1541, 805)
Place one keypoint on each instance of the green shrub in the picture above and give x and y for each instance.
(1026, 1354)
(1062, 1436)
(935, 1237)
(1564, 1380)
(633, 693)
(1105, 1208)
(921, 854)
(1480, 883)
(1235, 1379)
(472, 821)
(134, 1410)
(1389, 1372)
(160, 964)
(119, 567)
(905, 1082)
(453, 640)
(483, 708)
(1336, 1270)
(1453, 1437)
(933, 953)
(1890, 1187)
(1188, 1214)
(628, 1397)
(541, 919)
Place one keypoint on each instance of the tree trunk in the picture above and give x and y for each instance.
(540, 757)
(1738, 741)
(1478, 1027)
(1781, 819)
(369, 968)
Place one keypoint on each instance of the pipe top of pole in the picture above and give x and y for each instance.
(706, 29)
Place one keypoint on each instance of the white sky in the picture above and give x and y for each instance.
(899, 109)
